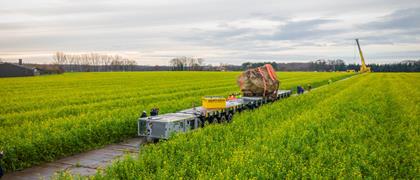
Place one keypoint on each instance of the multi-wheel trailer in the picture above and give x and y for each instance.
(163, 126)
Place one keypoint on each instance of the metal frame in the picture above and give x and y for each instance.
(163, 126)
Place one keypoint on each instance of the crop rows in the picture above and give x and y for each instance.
(48, 117)
(364, 127)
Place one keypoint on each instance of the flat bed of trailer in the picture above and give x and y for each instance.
(163, 126)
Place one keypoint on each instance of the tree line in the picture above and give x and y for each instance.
(186, 64)
(338, 65)
(93, 62)
(103, 62)
(403, 66)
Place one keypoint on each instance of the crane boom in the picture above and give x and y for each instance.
(363, 67)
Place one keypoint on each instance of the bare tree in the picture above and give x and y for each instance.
(200, 63)
(94, 62)
(59, 58)
(176, 64)
(186, 63)
(223, 67)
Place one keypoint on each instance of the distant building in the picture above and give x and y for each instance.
(17, 70)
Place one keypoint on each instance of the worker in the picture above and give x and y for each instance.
(309, 87)
(154, 112)
(238, 95)
(300, 90)
(157, 111)
(1, 169)
(143, 114)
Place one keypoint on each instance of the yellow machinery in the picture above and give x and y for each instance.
(363, 67)
(213, 102)
(351, 70)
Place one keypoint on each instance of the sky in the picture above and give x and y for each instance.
(220, 31)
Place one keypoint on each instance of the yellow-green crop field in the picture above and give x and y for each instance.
(366, 126)
(47, 117)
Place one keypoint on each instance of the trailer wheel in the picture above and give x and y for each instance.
(254, 106)
(211, 120)
(229, 117)
(151, 140)
(201, 123)
(222, 119)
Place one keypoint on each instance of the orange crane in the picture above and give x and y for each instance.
(363, 67)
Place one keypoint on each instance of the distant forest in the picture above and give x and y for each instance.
(116, 63)
(339, 65)
(186, 64)
(318, 65)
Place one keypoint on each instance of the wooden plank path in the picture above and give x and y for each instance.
(84, 164)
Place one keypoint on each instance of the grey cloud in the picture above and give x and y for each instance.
(162, 26)
(293, 30)
(303, 30)
(7, 26)
(400, 26)
(402, 19)
(391, 39)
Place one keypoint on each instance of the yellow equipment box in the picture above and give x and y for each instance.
(213, 102)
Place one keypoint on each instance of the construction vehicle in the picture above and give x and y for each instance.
(216, 109)
(363, 67)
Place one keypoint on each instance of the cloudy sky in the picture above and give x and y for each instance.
(228, 31)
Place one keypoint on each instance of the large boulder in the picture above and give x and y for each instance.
(260, 81)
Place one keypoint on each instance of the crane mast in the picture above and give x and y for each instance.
(363, 67)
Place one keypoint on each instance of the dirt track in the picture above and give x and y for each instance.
(85, 163)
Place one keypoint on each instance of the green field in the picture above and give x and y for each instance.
(364, 127)
(47, 117)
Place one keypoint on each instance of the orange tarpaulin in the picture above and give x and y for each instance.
(261, 81)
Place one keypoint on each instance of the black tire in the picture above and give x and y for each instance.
(201, 123)
(222, 119)
(211, 120)
(256, 106)
(150, 140)
(229, 117)
(239, 110)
